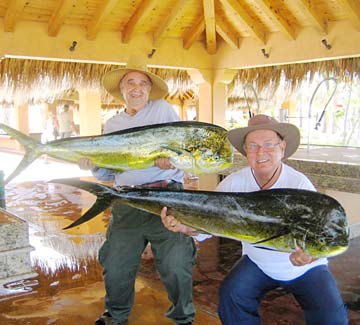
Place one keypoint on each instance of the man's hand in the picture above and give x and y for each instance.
(163, 163)
(300, 258)
(172, 224)
(86, 164)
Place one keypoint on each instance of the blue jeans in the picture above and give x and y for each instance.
(242, 290)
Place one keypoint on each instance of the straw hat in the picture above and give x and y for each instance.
(289, 132)
(112, 79)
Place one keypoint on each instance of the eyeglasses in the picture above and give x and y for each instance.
(267, 147)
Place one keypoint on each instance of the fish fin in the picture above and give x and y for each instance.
(32, 149)
(28, 158)
(179, 151)
(104, 197)
(282, 233)
(99, 206)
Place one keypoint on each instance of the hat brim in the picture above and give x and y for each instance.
(289, 132)
(111, 81)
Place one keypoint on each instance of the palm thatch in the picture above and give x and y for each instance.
(290, 77)
(27, 80)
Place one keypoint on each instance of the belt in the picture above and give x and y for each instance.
(158, 184)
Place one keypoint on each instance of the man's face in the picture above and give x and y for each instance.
(264, 151)
(135, 88)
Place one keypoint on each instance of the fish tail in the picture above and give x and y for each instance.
(33, 149)
(104, 197)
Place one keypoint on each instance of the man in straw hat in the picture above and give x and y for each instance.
(264, 143)
(130, 229)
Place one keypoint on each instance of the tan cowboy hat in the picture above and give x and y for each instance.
(289, 132)
(112, 79)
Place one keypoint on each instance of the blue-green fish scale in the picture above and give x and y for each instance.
(277, 219)
(194, 147)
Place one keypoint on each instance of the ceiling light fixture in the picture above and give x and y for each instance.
(326, 44)
(72, 47)
(266, 55)
(150, 55)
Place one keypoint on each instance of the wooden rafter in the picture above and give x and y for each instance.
(352, 8)
(214, 22)
(282, 23)
(14, 10)
(227, 33)
(314, 15)
(193, 33)
(173, 14)
(59, 15)
(141, 11)
(101, 13)
(210, 27)
(242, 14)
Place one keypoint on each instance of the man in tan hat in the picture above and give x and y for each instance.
(130, 229)
(265, 142)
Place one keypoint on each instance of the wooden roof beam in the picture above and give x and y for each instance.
(314, 16)
(210, 28)
(141, 11)
(230, 36)
(12, 13)
(173, 13)
(285, 27)
(242, 14)
(352, 8)
(192, 35)
(59, 15)
(101, 13)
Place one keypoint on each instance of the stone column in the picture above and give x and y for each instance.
(21, 116)
(90, 112)
(205, 105)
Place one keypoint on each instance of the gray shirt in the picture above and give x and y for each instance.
(154, 112)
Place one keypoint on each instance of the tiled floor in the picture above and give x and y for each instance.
(69, 289)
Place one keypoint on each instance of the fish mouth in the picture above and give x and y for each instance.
(336, 251)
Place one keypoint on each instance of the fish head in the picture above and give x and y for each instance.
(211, 151)
(329, 236)
(212, 161)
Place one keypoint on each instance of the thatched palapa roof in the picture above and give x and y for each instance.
(290, 76)
(28, 80)
(23, 80)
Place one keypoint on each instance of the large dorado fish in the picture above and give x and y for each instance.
(194, 147)
(276, 218)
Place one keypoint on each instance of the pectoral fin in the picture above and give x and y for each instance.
(282, 233)
(178, 151)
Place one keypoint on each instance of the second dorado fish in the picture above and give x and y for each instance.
(276, 218)
(194, 147)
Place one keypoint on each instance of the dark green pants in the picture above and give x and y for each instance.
(130, 230)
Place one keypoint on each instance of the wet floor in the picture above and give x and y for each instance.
(69, 288)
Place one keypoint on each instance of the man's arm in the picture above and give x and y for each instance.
(102, 174)
(172, 224)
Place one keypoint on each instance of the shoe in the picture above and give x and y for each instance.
(106, 319)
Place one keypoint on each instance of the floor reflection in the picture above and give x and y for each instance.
(69, 289)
